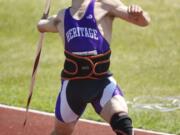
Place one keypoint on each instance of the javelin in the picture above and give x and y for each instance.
(37, 58)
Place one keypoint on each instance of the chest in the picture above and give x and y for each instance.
(103, 21)
(99, 12)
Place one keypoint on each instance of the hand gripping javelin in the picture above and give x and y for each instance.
(36, 61)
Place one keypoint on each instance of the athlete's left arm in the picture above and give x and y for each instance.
(133, 13)
(137, 15)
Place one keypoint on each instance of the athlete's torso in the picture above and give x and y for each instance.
(82, 36)
(93, 29)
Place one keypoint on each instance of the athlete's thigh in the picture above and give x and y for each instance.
(111, 101)
(69, 104)
(115, 105)
(68, 109)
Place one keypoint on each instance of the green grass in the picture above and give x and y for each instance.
(145, 61)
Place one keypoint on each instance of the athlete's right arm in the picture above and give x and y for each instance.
(48, 25)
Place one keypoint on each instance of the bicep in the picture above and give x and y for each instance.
(117, 9)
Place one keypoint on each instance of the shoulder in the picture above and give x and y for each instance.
(60, 14)
(110, 5)
(61, 11)
(59, 17)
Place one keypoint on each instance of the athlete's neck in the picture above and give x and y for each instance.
(76, 4)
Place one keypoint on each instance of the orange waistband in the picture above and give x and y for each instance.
(83, 67)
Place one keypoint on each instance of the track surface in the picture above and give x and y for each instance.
(39, 123)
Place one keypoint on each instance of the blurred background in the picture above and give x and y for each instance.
(145, 61)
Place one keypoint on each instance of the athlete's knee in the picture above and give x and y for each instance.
(53, 133)
(61, 132)
(61, 128)
(121, 123)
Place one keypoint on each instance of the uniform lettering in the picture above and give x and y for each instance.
(74, 32)
(91, 33)
(95, 34)
(81, 32)
(86, 32)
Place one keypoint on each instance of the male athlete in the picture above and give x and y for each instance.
(86, 29)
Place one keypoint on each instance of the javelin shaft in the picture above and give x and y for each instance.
(37, 58)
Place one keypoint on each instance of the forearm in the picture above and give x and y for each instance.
(136, 15)
(133, 13)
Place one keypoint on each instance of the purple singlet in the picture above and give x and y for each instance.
(82, 37)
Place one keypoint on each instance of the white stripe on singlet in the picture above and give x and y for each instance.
(66, 112)
(86, 53)
(108, 91)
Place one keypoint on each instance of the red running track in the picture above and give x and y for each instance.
(41, 123)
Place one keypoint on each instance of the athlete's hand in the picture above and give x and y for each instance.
(135, 11)
(137, 15)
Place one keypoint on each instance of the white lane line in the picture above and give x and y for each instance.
(82, 120)
(23, 110)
